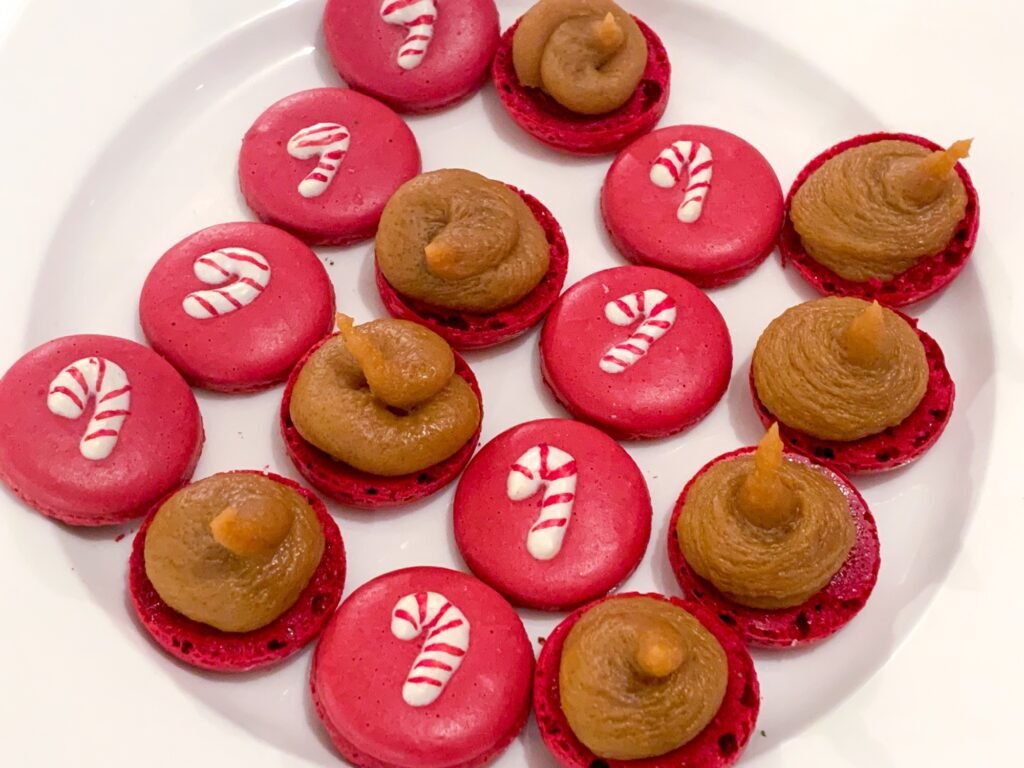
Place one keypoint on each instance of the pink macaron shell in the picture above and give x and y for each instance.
(821, 615)
(893, 448)
(719, 745)
(549, 122)
(157, 446)
(252, 347)
(740, 219)
(361, 490)
(605, 538)
(360, 667)
(675, 385)
(927, 277)
(464, 330)
(205, 647)
(382, 155)
(365, 51)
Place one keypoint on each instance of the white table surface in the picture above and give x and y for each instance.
(950, 695)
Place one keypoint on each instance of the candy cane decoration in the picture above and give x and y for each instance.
(446, 641)
(107, 382)
(329, 143)
(658, 311)
(419, 17)
(251, 270)
(555, 470)
(668, 169)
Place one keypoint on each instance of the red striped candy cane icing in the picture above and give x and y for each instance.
(329, 143)
(667, 170)
(445, 642)
(107, 382)
(251, 270)
(658, 311)
(555, 470)
(418, 17)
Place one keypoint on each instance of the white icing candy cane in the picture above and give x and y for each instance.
(251, 270)
(658, 311)
(555, 470)
(445, 642)
(419, 16)
(690, 156)
(105, 381)
(329, 143)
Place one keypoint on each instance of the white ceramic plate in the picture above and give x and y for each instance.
(120, 136)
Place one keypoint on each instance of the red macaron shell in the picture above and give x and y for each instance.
(819, 616)
(927, 277)
(464, 330)
(551, 123)
(896, 446)
(382, 155)
(605, 539)
(157, 447)
(361, 490)
(364, 49)
(739, 223)
(359, 669)
(203, 646)
(719, 745)
(249, 348)
(675, 385)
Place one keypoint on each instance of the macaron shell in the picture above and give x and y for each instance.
(362, 490)
(818, 617)
(472, 331)
(893, 448)
(364, 49)
(675, 384)
(927, 277)
(205, 647)
(382, 155)
(719, 745)
(360, 667)
(605, 538)
(551, 123)
(740, 218)
(157, 447)
(252, 347)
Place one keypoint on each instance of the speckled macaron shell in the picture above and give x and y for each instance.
(550, 123)
(821, 615)
(360, 669)
(674, 385)
(353, 488)
(158, 440)
(740, 213)
(240, 342)
(609, 514)
(924, 279)
(719, 745)
(205, 647)
(380, 155)
(366, 49)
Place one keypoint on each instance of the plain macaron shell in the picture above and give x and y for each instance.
(674, 385)
(205, 647)
(364, 49)
(157, 447)
(607, 533)
(740, 219)
(252, 347)
(720, 744)
(360, 667)
(382, 155)
(822, 614)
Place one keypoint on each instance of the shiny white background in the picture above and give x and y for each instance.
(81, 687)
